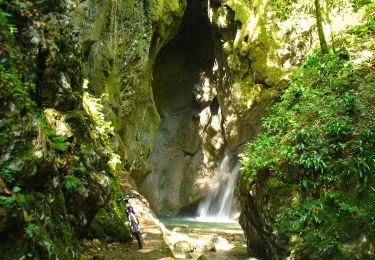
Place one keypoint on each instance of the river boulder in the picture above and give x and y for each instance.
(184, 246)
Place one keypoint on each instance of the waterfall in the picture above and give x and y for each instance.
(221, 204)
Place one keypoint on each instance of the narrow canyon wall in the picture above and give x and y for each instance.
(212, 84)
(72, 75)
(120, 41)
(54, 172)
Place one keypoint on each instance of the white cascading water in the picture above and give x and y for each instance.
(220, 205)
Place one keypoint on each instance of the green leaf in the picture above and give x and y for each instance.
(316, 219)
(16, 189)
(304, 183)
(59, 139)
(303, 218)
(61, 147)
(71, 182)
(30, 229)
(51, 133)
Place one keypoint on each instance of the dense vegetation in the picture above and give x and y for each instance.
(53, 177)
(318, 146)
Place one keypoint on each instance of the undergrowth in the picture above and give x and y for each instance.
(320, 136)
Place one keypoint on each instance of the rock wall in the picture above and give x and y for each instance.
(54, 172)
(72, 74)
(120, 41)
(212, 84)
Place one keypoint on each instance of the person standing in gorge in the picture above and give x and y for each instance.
(129, 208)
(133, 222)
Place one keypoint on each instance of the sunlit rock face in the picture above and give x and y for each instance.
(120, 40)
(188, 108)
(210, 98)
(175, 110)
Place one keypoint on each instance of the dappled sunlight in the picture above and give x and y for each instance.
(56, 120)
(94, 108)
(204, 117)
(363, 56)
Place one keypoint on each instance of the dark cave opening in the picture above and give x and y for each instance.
(180, 63)
(178, 72)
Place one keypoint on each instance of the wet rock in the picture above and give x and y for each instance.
(220, 239)
(207, 245)
(184, 246)
(230, 237)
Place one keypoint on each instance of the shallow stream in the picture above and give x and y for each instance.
(214, 240)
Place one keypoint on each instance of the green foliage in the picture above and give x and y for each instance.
(359, 3)
(8, 173)
(71, 182)
(109, 227)
(57, 143)
(80, 169)
(367, 28)
(48, 169)
(29, 230)
(7, 8)
(320, 135)
(282, 7)
(94, 107)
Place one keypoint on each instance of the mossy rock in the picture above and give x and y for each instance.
(183, 246)
(109, 227)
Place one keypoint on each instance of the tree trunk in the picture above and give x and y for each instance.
(319, 24)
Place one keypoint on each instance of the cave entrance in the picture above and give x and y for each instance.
(180, 63)
(178, 70)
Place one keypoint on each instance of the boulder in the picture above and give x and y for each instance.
(184, 246)
(208, 245)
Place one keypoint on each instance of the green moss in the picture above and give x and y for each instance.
(241, 9)
(109, 228)
(50, 176)
(109, 223)
(162, 8)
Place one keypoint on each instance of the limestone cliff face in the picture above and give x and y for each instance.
(54, 177)
(179, 96)
(211, 84)
(120, 41)
(72, 75)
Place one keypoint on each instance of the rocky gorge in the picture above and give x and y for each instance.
(102, 97)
